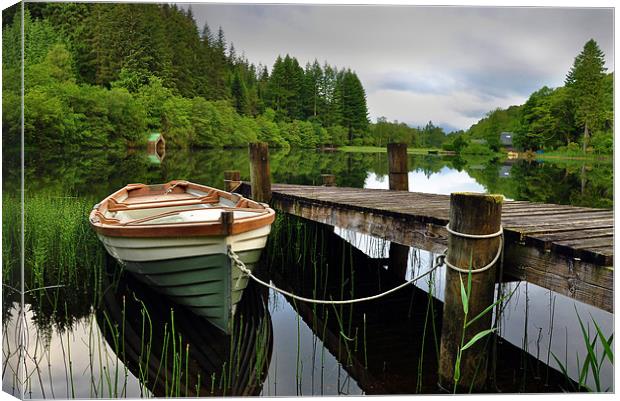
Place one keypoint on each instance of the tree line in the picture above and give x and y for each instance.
(104, 74)
(574, 118)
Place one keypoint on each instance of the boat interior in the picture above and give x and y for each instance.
(173, 203)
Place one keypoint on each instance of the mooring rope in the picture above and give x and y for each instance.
(471, 270)
(439, 260)
(239, 263)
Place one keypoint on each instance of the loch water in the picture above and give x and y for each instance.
(90, 330)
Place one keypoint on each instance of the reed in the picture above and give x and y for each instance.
(465, 295)
(427, 317)
(63, 259)
(594, 360)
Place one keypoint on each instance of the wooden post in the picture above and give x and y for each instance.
(399, 181)
(228, 219)
(477, 214)
(397, 166)
(232, 178)
(260, 178)
(329, 180)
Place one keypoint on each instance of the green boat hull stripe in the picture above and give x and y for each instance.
(207, 285)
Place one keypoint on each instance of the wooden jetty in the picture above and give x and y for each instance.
(566, 249)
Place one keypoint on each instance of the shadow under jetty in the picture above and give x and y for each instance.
(175, 353)
(389, 345)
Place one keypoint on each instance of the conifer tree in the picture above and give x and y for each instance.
(239, 94)
(584, 82)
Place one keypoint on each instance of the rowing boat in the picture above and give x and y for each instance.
(175, 237)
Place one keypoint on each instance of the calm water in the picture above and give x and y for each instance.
(85, 337)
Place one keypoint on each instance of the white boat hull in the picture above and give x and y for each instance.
(193, 271)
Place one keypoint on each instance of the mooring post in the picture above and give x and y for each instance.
(260, 178)
(329, 180)
(232, 179)
(476, 214)
(398, 172)
(397, 166)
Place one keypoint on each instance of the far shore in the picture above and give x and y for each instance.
(520, 155)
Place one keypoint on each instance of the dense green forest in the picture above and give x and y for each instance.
(574, 118)
(105, 74)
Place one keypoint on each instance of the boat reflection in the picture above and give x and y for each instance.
(175, 353)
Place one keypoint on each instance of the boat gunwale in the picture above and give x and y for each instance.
(182, 229)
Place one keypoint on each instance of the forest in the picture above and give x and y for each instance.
(104, 75)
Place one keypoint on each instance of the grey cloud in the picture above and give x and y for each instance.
(411, 82)
(497, 55)
(490, 83)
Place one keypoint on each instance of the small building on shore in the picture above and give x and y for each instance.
(156, 146)
(505, 139)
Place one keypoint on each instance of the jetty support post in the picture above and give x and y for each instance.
(329, 180)
(476, 214)
(398, 174)
(397, 166)
(260, 176)
(232, 179)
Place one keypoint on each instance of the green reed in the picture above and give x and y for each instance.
(594, 361)
(60, 250)
(429, 311)
(465, 296)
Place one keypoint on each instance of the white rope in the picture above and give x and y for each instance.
(235, 258)
(500, 248)
(475, 236)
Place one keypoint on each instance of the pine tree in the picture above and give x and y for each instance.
(207, 36)
(284, 92)
(353, 103)
(232, 55)
(239, 95)
(312, 90)
(584, 82)
(331, 114)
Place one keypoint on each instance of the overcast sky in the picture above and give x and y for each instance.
(450, 65)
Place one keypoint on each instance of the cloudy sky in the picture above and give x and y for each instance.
(450, 65)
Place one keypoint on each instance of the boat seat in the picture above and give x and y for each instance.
(145, 219)
(115, 206)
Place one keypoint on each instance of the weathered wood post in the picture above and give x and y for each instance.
(397, 166)
(260, 178)
(329, 180)
(228, 219)
(232, 178)
(398, 172)
(476, 214)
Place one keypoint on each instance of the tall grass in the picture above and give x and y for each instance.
(61, 250)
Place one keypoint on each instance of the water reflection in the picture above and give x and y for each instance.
(75, 343)
(539, 321)
(389, 345)
(445, 181)
(174, 353)
(574, 182)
